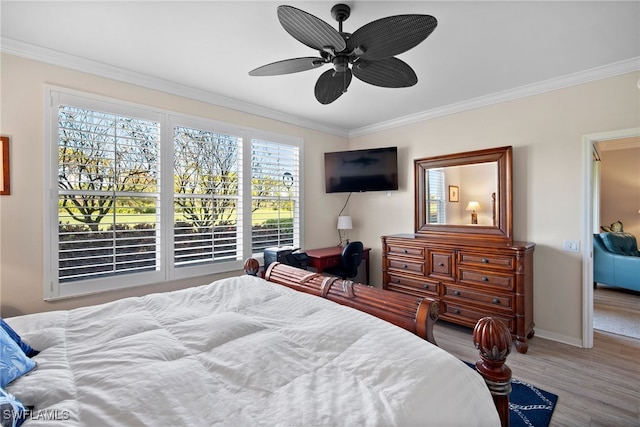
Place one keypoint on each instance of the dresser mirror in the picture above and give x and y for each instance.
(468, 194)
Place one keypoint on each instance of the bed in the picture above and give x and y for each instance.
(250, 351)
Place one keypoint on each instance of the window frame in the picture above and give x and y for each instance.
(438, 175)
(55, 96)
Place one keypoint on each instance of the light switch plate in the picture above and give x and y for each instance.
(571, 245)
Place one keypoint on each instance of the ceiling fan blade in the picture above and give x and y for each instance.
(288, 66)
(331, 85)
(392, 35)
(388, 72)
(308, 29)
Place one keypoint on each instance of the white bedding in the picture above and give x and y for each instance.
(240, 352)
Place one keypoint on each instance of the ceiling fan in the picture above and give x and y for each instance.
(369, 53)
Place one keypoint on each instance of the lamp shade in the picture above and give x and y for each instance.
(473, 206)
(344, 223)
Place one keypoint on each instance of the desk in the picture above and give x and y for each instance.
(330, 257)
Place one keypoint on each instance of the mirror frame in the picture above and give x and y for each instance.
(502, 231)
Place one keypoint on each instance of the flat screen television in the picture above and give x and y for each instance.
(374, 169)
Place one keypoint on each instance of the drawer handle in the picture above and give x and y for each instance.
(485, 279)
(456, 311)
(496, 301)
(426, 286)
(456, 293)
(397, 280)
(405, 251)
(484, 261)
(405, 266)
(441, 264)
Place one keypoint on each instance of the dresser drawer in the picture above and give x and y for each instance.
(494, 300)
(402, 283)
(503, 262)
(408, 251)
(486, 278)
(441, 264)
(406, 265)
(410, 291)
(469, 316)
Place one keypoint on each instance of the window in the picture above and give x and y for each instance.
(206, 171)
(275, 192)
(436, 204)
(108, 195)
(140, 196)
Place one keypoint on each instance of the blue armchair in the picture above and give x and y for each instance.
(616, 260)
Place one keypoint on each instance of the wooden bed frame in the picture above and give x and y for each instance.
(417, 315)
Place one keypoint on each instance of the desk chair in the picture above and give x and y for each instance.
(350, 260)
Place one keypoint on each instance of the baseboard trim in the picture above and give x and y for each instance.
(553, 336)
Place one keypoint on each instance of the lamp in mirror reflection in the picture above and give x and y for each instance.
(474, 207)
(344, 224)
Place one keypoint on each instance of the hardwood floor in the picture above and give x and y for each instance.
(618, 311)
(595, 387)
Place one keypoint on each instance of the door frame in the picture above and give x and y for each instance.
(588, 144)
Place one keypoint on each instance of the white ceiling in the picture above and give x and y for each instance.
(480, 53)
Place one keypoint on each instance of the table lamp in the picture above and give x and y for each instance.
(473, 207)
(344, 223)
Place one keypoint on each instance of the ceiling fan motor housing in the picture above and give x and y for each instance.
(341, 64)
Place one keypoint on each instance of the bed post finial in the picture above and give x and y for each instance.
(251, 266)
(492, 338)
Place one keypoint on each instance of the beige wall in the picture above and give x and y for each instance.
(620, 188)
(545, 130)
(21, 213)
(546, 134)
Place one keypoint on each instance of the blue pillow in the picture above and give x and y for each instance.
(28, 350)
(13, 362)
(12, 411)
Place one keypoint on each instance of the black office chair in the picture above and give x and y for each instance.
(349, 261)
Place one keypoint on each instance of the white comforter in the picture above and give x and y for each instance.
(240, 352)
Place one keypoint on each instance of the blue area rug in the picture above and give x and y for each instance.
(529, 406)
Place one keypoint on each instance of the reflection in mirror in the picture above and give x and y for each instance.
(462, 195)
(466, 194)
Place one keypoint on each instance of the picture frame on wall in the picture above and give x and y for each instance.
(454, 193)
(5, 181)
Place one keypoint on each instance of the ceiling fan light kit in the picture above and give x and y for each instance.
(368, 53)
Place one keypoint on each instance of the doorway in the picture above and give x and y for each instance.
(591, 197)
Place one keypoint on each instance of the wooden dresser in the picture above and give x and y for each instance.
(470, 279)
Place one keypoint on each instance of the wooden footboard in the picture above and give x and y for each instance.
(418, 315)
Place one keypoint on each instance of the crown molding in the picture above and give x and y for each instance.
(562, 82)
(49, 56)
(37, 53)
